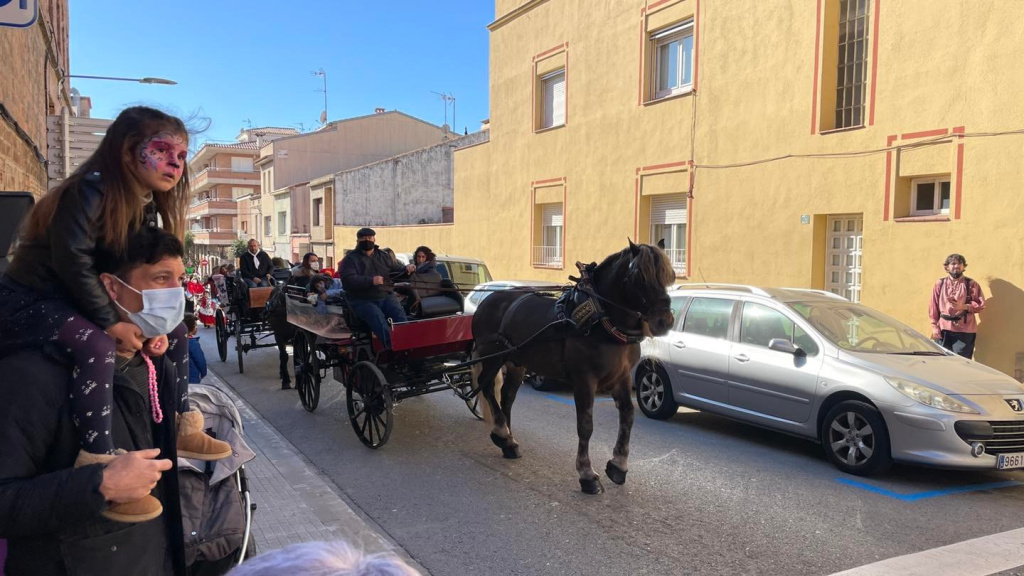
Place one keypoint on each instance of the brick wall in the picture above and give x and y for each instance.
(30, 89)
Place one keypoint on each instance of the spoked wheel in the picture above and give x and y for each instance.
(239, 334)
(369, 402)
(223, 334)
(856, 439)
(463, 390)
(307, 370)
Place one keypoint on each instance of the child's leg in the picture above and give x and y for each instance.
(177, 353)
(92, 395)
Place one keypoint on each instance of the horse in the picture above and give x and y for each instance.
(590, 336)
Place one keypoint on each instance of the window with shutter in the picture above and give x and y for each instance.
(549, 252)
(668, 225)
(553, 102)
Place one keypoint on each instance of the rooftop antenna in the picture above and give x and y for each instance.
(301, 125)
(447, 98)
(248, 124)
(320, 72)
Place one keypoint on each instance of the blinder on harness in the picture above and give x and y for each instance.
(580, 306)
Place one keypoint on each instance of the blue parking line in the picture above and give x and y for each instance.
(915, 496)
(571, 401)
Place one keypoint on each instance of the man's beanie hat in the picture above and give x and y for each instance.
(365, 232)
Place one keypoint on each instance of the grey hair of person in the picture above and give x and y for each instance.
(323, 559)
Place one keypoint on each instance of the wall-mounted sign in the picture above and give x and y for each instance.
(18, 13)
(282, 153)
(805, 218)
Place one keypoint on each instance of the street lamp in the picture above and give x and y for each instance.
(146, 80)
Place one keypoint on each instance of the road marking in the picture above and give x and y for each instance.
(915, 496)
(572, 402)
(977, 557)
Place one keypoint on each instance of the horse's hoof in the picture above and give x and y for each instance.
(511, 452)
(615, 474)
(499, 441)
(591, 486)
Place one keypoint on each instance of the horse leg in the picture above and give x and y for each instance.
(513, 379)
(619, 464)
(487, 378)
(590, 482)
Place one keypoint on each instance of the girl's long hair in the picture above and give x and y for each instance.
(122, 205)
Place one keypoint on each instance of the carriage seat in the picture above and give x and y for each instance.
(435, 296)
(258, 296)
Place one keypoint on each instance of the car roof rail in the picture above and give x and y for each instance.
(820, 292)
(719, 286)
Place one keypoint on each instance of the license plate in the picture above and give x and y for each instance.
(1007, 461)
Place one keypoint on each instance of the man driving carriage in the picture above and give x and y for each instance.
(366, 275)
(255, 266)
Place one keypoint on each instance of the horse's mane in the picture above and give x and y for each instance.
(653, 268)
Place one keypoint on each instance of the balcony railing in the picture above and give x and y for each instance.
(549, 256)
(678, 258)
(208, 169)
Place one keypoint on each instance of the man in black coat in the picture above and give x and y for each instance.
(366, 275)
(51, 511)
(256, 266)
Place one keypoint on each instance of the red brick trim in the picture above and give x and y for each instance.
(644, 11)
(816, 71)
(958, 133)
(696, 47)
(640, 171)
(874, 66)
(534, 85)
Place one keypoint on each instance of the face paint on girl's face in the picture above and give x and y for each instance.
(162, 160)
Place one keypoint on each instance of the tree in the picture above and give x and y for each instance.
(191, 252)
(239, 247)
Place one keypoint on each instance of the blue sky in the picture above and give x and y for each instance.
(236, 61)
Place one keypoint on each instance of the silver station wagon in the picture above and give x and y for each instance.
(810, 363)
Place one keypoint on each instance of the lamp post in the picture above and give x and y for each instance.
(146, 80)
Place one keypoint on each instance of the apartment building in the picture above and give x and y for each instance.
(843, 145)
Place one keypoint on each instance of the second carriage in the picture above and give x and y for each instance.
(242, 317)
(428, 354)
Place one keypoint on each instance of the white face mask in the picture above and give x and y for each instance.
(162, 310)
(315, 266)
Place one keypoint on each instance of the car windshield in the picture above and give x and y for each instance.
(464, 273)
(860, 329)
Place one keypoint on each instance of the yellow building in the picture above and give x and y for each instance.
(847, 145)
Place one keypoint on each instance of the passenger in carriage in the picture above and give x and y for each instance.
(301, 273)
(425, 260)
(366, 274)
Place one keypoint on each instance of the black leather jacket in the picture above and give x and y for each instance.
(63, 258)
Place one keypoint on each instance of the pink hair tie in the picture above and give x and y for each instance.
(154, 396)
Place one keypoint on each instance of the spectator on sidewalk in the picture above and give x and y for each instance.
(196, 357)
(956, 299)
(54, 514)
(323, 559)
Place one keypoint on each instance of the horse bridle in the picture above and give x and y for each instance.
(587, 284)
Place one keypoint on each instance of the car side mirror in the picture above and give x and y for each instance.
(783, 345)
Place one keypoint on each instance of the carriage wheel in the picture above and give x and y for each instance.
(239, 333)
(223, 334)
(368, 397)
(307, 373)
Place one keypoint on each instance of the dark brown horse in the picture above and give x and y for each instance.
(616, 304)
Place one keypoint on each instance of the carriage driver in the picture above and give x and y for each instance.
(365, 275)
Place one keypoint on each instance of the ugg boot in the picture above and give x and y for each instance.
(139, 511)
(194, 443)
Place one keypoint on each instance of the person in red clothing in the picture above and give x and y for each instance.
(956, 299)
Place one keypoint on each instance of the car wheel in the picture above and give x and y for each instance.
(653, 392)
(856, 439)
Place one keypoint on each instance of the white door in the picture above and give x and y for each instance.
(842, 255)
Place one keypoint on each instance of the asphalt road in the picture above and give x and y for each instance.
(704, 495)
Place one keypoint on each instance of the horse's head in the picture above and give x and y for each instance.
(645, 272)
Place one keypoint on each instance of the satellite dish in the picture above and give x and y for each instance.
(323, 117)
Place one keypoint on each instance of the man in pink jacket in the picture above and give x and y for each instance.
(955, 301)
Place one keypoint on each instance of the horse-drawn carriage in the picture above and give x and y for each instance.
(428, 354)
(242, 317)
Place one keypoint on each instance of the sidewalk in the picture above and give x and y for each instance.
(294, 502)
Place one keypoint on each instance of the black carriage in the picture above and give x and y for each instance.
(242, 317)
(430, 353)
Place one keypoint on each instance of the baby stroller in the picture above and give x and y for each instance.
(216, 507)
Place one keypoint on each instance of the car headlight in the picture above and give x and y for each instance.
(928, 397)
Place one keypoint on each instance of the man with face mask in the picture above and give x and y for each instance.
(255, 266)
(955, 301)
(367, 277)
(55, 514)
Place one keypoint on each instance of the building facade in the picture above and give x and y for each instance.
(848, 146)
(225, 187)
(33, 85)
(287, 165)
